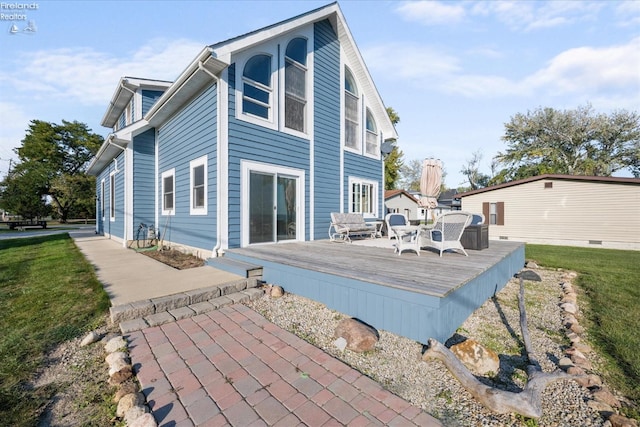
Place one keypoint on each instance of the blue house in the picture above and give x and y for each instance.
(259, 139)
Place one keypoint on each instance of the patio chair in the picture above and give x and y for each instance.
(446, 232)
(477, 219)
(393, 219)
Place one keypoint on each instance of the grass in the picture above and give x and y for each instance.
(608, 280)
(48, 294)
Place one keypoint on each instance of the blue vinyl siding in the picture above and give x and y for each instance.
(115, 228)
(327, 123)
(143, 178)
(189, 135)
(365, 168)
(256, 143)
(149, 97)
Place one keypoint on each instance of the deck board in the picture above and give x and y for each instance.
(428, 274)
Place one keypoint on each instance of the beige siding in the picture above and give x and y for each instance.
(571, 213)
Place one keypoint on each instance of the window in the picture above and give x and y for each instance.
(256, 86)
(494, 212)
(372, 135)
(295, 98)
(351, 115)
(363, 197)
(102, 195)
(198, 202)
(112, 196)
(168, 192)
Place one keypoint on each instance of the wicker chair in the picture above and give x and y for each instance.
(446, 232)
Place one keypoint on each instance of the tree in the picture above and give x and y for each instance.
(393, 160)
(21, 193)
(52, 163)
(571, 142)
(411, 175)
(471, 170)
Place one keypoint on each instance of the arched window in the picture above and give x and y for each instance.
(256, 89)
(372, 135)
(351, 115)
(295, 93)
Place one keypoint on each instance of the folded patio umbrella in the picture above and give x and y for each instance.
(430, 183)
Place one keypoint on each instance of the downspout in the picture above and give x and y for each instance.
(215, 252)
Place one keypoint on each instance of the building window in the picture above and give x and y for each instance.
(168, 192)
(198, 202)
(102, 195)
(372, 135)
(295, 81)
(256, 86)
(112, 196)
(351, 112)
(494, 212)
(363, 197)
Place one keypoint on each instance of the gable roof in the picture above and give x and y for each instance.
(124, 93)
(389, 194)
(216, 57)
(597, 179)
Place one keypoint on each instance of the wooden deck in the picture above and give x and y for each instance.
(415, 296)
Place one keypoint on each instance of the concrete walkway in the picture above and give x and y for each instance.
(232, 367)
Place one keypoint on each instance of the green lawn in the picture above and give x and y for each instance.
(48, 294)
(609, 280)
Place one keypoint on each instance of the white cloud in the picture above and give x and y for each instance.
(587, 73)
(432, 12)
(596, 71)
(628, 13)
(89, 77)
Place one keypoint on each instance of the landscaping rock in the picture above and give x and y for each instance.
(477, 357)
(115, 357)
(605, 396)
(601, 407)
(115, 344)
(276, 291)
(531, 264)
(90, 338)
(134, 413)
(565, 363)
(119, 373)
(145, 420)
(617, 420)
(582, 362)
(360, 337)
(589, 381)
(569, 307)
(129, 401)
(125, 388)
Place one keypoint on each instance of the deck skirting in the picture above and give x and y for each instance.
(409, 313)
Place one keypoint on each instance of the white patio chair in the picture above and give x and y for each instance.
(394, 219)
(446, 232)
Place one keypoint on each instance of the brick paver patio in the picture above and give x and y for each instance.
(233, 367)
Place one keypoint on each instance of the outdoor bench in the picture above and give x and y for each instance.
(345, 225)
(23, 224)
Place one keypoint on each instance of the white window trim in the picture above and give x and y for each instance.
(246, 168)
(365, 153)
(343, 109)
(241, 60)
(112, 196)
(172, 173)
(352, 180)
(308, 35)
(276, 49)
(102, 196)
(202, 161)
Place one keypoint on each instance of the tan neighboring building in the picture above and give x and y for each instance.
(562, 210)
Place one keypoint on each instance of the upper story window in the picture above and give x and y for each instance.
(295, 98)
(256, 86)
(351, 108)
(372, 135)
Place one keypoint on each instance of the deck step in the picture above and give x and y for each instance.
(157, 311)
(241, 268)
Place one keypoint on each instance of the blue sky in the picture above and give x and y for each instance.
(454, 71)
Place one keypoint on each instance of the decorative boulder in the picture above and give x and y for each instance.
(145, 420)
(129, 401)
(476, 357)
(276, 291)
(360, 337)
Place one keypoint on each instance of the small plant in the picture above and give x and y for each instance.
(446, 395)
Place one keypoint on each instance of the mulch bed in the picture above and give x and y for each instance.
(175, 259)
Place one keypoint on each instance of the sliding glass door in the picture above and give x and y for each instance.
(272, 207)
